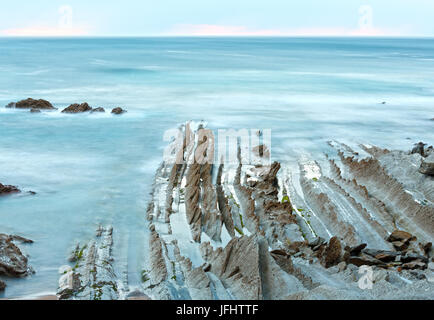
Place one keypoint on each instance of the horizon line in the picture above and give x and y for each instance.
(214, 36)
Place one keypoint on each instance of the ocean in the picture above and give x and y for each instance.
(91, 169)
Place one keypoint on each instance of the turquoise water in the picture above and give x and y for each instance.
(89, 169)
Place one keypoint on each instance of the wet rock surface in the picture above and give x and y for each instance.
(427, 165)
(92, 276)
(6, 189)
(32, 104)
(99, 109)
(249, 233)
(13, 263)
(77, 108)
(118, 110)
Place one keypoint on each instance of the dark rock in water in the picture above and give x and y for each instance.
(419, 148)
(10, 105)
(2, 285)
(34, 104)
(12, 262)
(427, 166)
(33, 110)
(21, 239)
(99, 109)
(4, 190)
(77, 108)
(118, 110)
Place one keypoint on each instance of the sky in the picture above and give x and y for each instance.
(217, 18)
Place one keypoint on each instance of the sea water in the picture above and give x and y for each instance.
(91, 169)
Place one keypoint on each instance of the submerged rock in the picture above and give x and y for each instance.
(2, 285)
(118, 111)
(427, 166)
(77, 108)
(99, 109)
(34, 110)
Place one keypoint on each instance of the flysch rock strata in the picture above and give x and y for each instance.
(92, 275)
(240, 231)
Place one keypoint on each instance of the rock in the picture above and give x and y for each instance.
(118, 111)
(34, 104)
(426, 248)
(93, 276)
(342, 266)
(419, 148)
(399, 235)
(382, 255)
(354, 251)
(380, 275)
(5, 190)
(431, 266)
(12, 262)
(413, 256)
(365, 260)
(427, 165)
(317, 242)
(2, 286)
(10, 105)
(99, 109)
(137, 295)
(77, 108)
(333, 253)
(417, 264)
(34, 110)
(400, 245)
(21, 239)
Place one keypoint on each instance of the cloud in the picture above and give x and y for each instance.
(231, 30)
(40, 31)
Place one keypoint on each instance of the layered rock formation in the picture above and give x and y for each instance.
(245, 231)
(92, 276)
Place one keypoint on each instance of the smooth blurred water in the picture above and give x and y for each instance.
(89, 169)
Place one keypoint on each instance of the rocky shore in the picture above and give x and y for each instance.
(255, 232)
(355, 223)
